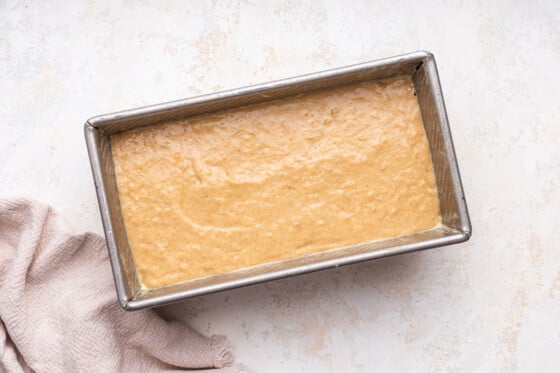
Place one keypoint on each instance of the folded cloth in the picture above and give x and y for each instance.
(59, 312)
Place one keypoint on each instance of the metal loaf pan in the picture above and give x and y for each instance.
(420, 66)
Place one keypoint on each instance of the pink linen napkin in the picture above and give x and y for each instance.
(59, 312)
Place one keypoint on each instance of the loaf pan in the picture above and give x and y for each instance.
(420, 66)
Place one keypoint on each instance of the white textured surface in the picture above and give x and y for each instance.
(491, 305)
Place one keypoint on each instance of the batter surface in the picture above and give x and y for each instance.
(275, 181)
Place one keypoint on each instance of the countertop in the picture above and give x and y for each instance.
(490, 305)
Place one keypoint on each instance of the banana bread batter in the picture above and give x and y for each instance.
(274, 181)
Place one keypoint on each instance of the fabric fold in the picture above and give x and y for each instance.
(59, 312)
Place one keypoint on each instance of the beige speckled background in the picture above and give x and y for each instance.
(491, 305)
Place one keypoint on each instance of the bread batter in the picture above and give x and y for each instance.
(274, 181)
